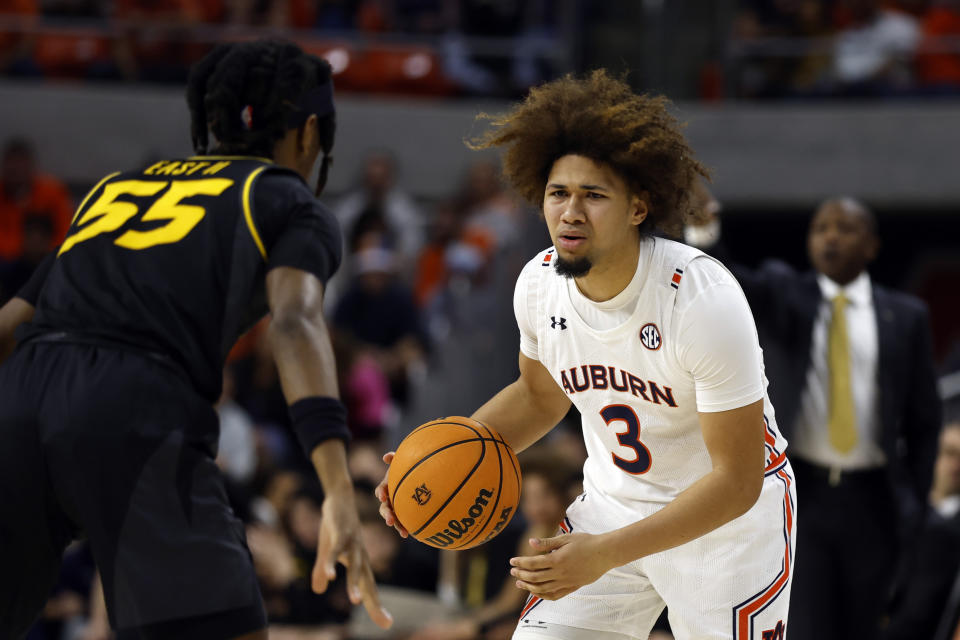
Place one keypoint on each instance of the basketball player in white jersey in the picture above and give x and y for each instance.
(689, 499)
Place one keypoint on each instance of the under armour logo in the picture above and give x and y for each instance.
(554, 322)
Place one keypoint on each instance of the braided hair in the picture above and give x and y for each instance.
(246, 94)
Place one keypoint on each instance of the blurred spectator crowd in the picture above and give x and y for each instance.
(422, 47)
(848, 48)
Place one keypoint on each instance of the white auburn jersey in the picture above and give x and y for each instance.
(689, 344)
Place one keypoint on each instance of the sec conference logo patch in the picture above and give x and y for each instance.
(650, 336)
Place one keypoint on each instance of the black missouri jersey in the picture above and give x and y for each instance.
(172, 258)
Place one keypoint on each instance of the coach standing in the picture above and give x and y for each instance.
(852, 377)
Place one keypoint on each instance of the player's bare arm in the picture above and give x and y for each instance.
(526, 410)
(734, 440)
(305, 362)
(14, 313)
(522, 412)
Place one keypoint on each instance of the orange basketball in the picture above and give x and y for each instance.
(454, 483)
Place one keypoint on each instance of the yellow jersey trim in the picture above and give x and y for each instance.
(248, 213)
(214, 157)
(90, 193)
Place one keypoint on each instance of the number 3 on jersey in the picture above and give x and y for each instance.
(629, 438)
(108, 214)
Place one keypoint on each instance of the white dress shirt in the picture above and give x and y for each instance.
(810, 439)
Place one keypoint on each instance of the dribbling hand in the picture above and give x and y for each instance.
(386, 509)
(340, 541)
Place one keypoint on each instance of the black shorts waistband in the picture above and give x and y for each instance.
(74, 337)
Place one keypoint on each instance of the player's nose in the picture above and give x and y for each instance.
(573, 211)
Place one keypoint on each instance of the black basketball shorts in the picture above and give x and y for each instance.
(113, 445)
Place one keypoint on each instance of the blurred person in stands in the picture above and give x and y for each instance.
(27, 193)
(945, 493)
(17, 43)
(364, 389)
(236, 449)
(281, 14)
(874, 49)
(378, 311)
(852, 376)
(936, 565)
(37, 237)
(379, 195)
(766, 76)
(153, 41)
(455, 259)
(106, 405)
(69, 604)
(547, 482)
(938, 61)
(488, 207)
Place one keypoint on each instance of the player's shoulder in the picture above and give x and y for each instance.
(687, 270)
(536, 270)
(283, 185)
(542, 261)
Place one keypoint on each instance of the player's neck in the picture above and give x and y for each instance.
(607, 278)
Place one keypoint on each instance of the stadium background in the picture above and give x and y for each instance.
(787, 101)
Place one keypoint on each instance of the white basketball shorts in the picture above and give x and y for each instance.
(731, 584)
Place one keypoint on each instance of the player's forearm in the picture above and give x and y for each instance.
(715, 499)
(518, 416)
(329, 460)
(304, 356)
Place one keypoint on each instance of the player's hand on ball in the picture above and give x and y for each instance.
(569, 561)
(386, 509)
(340, 541)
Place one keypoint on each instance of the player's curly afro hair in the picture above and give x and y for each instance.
(598, 117)
(269, 76)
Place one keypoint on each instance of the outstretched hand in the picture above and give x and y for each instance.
(568, 562)
(340, 541)
(386, 507)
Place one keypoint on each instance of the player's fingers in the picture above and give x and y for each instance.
(318, 577)
(371, 598)
(381, 492)
(531, 576)
(388, 456)
(549, 544)
(355, 565)
(532, 563)
(391, 519)
(537, 589)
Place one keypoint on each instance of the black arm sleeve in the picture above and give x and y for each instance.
(30, 291)
(297, 230)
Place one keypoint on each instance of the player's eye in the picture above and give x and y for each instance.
(558, 193)
(594, 195)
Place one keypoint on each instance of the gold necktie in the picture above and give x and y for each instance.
(842, 421)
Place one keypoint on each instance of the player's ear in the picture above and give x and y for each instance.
(639, 207)
(308, 136)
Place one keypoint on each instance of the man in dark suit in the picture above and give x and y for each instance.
(852, 380)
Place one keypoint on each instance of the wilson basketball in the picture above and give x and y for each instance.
(454, 483)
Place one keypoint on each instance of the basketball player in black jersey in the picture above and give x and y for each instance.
(107, 426)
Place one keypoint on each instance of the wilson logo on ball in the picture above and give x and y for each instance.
(422, 495)
(456, 529)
